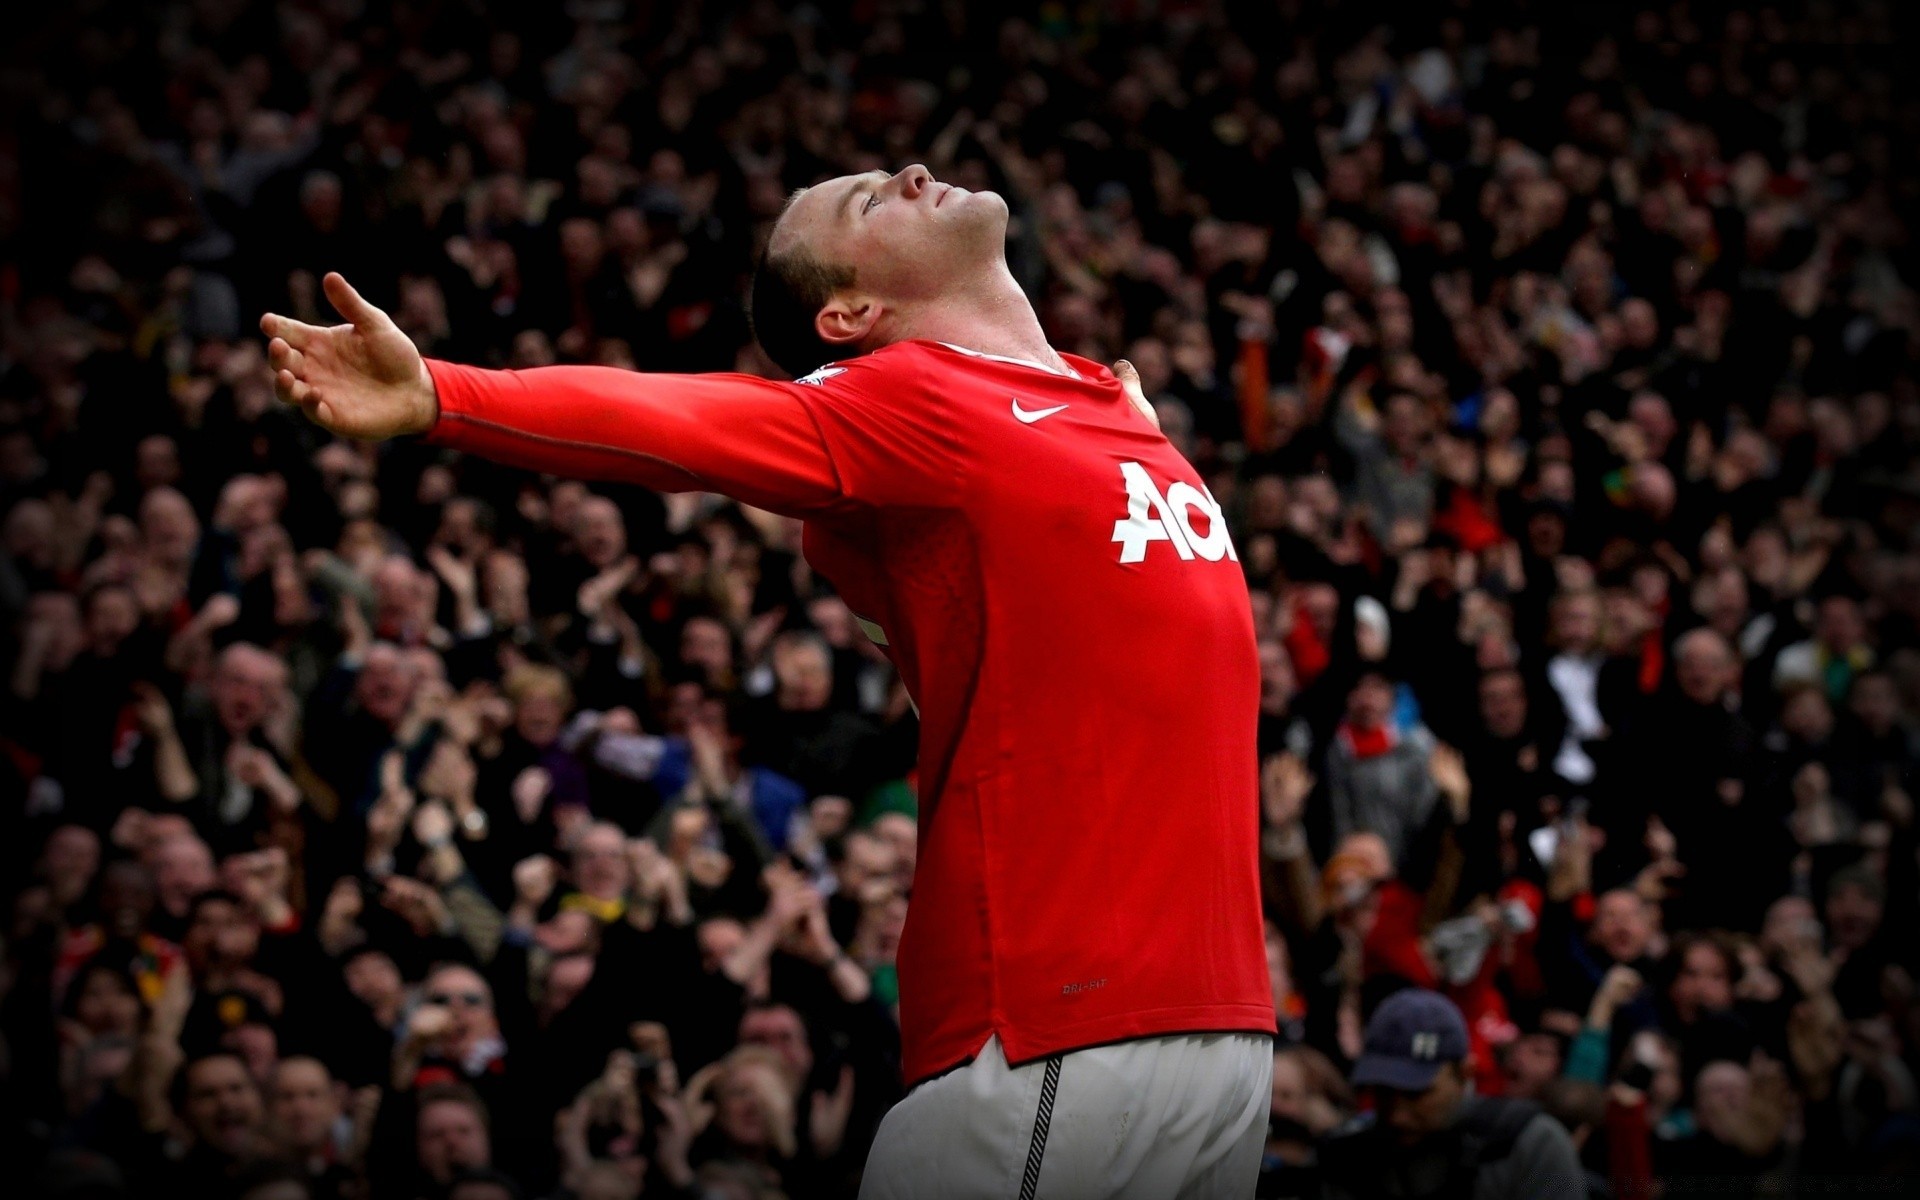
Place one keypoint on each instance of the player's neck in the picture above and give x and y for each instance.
(995, 318)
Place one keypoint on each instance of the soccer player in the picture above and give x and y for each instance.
(1084, 1000)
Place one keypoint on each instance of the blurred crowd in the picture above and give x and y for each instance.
(382, 823)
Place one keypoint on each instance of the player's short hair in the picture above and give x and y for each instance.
(789, 290)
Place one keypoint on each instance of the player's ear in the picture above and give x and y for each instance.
(846, 320)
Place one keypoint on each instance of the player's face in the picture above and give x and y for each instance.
(908, 236)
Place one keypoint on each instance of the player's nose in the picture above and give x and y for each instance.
(914, 181)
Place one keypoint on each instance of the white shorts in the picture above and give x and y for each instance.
(1164, 1118)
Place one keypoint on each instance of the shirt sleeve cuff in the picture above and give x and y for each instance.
(451, 389)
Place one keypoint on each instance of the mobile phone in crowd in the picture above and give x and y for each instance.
(1545, 841)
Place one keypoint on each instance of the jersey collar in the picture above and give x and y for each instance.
(1018, 362)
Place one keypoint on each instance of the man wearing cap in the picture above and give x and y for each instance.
(1428, 1134)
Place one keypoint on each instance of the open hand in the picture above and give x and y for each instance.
(365, 379)
(1449, 771)
(1285, 784)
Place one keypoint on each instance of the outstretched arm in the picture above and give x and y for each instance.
(750, 438)
(753, 439)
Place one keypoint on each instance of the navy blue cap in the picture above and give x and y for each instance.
(1410, 1037)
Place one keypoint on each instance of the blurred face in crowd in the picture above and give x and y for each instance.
(599, 531)
(449, 770)
(1404, 423)
(805, 675)
(1721, 597)
(258, 1046)
(1627, 621)
(780, 1029)
(167, 526)
(304, 1103)
(386, 684)
(1370, 703)
(704, 643)
(1576, 622)
(1279, 964)
(451, 1138)
(246, 503)
(465, 995)
(112, 616)
(182, 869)
(1503, 704)
(540, 714)
(1651, 412)
(243, 688)
(1853, 915)
(566, 979)
(460, 529)
(60, 612)
(1415, 1116)
(320, 199)
(126, 898)
(902, 835)
(911, 240)
(1277, 678)
(600, 865)
(107, 1003)
(221, 934)
(506, 581)
(1807, 716)
(1876, 702)
(1650, 583)
(1838, 626)
(29, 531)
(1766, 557)
(222, 1105)
(397, 589)
(102, 1063)
(1721, 1095)
(1622, 925)
(1704, 666)
(1291, 1089)
(751, 1100)
(1530, 1062)
(68, 863)
(1321, 604)
(868, 861)
(156, 461)
(1704, 982)
(1790, 923)
(375, 981)
(718, 937)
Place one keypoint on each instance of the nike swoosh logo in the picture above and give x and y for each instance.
(1028, 418)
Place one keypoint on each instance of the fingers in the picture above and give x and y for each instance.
(351, 304)
(291, 388)
(297, 334)
(1130, 383)
(283, 356)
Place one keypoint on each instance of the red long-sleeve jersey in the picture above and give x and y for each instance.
(1058, 591)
